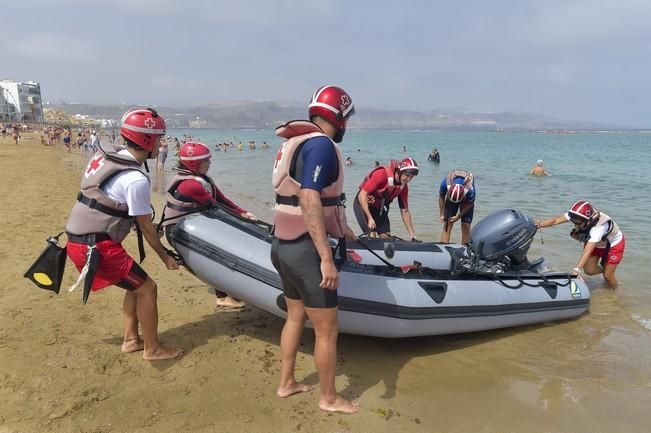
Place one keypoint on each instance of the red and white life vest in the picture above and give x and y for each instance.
(94, 211)
(288, 217)
(390, 191)
(612, 236)
(178, 206)
(467, 176)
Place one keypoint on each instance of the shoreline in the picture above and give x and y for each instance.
(62, 369)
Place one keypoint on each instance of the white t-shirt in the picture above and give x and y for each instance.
(598, 232)
(131, 188)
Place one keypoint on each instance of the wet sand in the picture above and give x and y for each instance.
(61, 369)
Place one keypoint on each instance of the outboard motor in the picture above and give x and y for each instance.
(499, 242)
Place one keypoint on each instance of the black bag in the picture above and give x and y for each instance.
(47, 271)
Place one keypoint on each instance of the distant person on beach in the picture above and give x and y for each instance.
(457, 202)
(349, 160)
(309, 208)
(66, 138)
(434, 156)
(603, 241)
(404, 148)
(378, 189)
(192, 190)
(162, 155)
(94, 141)
(377, 163)
(115, 193)
(15, 135)
(539, 169)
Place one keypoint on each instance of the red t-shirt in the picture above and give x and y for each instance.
(379, 180)
(194, 190)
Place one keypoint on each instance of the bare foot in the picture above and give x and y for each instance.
(284, 392)
(229, 302)
(130, 345)
(340, 405)
(162, 352)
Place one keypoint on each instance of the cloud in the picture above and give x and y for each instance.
(55, 47)
(582, 22)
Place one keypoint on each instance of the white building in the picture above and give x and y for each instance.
(25, 98)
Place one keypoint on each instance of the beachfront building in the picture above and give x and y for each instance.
(7, 111)
(25, 98)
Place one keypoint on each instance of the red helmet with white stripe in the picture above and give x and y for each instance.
(333, 104)
(192, 153)
(582, 213)
(142, 127)
(408, 166)
(456, 192)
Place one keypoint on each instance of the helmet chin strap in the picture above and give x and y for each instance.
(145, 163)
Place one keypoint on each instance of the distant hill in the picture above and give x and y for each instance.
(268, 114)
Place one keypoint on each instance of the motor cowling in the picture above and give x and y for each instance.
(502, 237)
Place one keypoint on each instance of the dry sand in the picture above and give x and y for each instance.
(61, 369)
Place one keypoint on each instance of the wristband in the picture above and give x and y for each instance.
(578, 270)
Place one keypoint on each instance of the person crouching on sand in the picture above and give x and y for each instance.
(192, 190)
(602, 240)
(115, 192)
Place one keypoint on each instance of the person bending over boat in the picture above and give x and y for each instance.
(603, 241)
(376, 192)
(457, 202)
(115, 192)
(308, 178)
(192, 190)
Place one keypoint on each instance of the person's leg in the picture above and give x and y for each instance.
(132, 341)
(465, 233)
(290, 338)
(592, 266)
(447, 231)
(609, 275)
(326, 331)
(147, 314)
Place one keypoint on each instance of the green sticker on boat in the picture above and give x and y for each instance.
(574, 290)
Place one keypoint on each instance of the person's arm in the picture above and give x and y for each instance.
(550, 222)
(310, 201)
(363, 203)
(533, 169)
(587, 252)
(151, 236)
(464, 210)
(441, 206)
(406, 219)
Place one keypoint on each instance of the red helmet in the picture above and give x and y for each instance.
(192, 153)
(408, 166)
(456, 192)
(142, 127)
(582, 213)
(333, 104)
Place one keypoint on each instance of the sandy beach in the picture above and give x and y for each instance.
(61, 369)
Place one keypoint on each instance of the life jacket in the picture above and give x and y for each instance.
(390, 191)
(179, 205)
(611, 234)
(467, 176)
(94, 212)
(288, 217)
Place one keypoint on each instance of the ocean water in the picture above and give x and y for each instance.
(572, 371)
(611, 170)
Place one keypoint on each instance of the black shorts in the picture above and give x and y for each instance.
(451, 209)
(381, 217)
(134, 279)
(299, 265)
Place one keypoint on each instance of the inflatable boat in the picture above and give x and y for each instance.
(489, 284)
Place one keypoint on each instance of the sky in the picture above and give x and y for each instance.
(581, 60)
